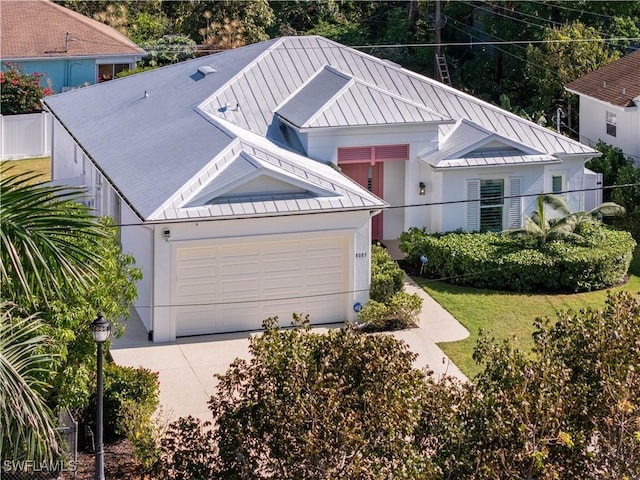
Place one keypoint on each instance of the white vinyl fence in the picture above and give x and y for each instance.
(24, 136)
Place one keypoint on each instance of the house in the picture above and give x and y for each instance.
(71, 49)
(251, 182)
(610, 105)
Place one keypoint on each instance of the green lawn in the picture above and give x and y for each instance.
(506, 314)
(42, 166)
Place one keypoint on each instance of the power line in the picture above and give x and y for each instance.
(391, 207)
(503, 15)
(554, 23)
(432, 45)
(584, 12)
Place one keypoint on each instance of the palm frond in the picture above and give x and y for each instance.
(27, 428)
(607, 209)
(39, 230)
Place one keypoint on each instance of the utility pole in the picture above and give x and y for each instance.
(438, 27)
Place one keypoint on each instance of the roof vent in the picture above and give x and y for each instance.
(206, 70)
(624, 91)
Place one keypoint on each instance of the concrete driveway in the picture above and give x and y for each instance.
(187, 367)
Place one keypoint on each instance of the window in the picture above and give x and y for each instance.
(108, 71)
(557, 184)
(611, 124)
(491, 205)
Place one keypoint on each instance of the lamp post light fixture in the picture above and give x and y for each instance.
(101, 331)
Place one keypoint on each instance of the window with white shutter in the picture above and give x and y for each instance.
(515, 203)
(473, 207)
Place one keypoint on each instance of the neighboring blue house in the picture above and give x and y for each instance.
(70, 49)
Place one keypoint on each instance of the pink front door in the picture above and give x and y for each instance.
(370, 177)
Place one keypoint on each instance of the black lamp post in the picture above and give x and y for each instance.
(101, 330)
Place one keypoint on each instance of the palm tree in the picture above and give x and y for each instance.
(27, 427)
(38, 226)
(41, 257)
(564, 225)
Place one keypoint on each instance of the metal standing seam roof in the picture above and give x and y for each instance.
(150, 146)
(326, 188)
(345, 101)
(290, 62)
(155, 135)
(466, 146)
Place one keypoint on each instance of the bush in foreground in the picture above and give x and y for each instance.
(350, 405)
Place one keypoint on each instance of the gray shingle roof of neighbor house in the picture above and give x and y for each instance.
(617, 83)
(153, 132)
(41, 29)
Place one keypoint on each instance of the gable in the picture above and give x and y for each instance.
(469, 145)
(257, 178)
(246, 178)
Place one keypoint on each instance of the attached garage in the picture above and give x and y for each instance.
(233, 285)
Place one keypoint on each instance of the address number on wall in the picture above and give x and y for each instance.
(361, 254)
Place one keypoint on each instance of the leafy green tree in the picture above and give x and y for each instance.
(568, 410)
(27, 428)
(572, 51)
(167, 50)
(189, 18)
(608, 164)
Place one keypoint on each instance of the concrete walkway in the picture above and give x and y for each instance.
(187, 367)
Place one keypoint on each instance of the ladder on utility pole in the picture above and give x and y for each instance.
(443, 69)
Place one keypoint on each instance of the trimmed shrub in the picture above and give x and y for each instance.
(389, 308)
(490, 260)
(126, 388)
(401, 312)
(387, 278)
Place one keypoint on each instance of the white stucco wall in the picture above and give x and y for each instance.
(66, 156)
(138, 241)
(451, 186)
(593, 125)
(401, 179)
(352, 225)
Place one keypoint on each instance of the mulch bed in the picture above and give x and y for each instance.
(118, 463)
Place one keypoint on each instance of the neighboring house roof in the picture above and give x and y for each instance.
(617, 83)
(155, 133)
(41, 29)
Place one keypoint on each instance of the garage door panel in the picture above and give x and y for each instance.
(245, 283)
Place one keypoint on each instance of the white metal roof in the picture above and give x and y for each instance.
(159, 136)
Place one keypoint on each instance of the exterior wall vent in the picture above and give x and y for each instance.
(206, 70)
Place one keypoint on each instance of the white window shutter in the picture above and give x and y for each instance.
(515, 203)
(473, 207)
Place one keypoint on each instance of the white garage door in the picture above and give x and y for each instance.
(234, 287)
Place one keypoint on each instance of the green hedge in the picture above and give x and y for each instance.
(389, 308)
(387, 278)
(500, 262)
(123, 386)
